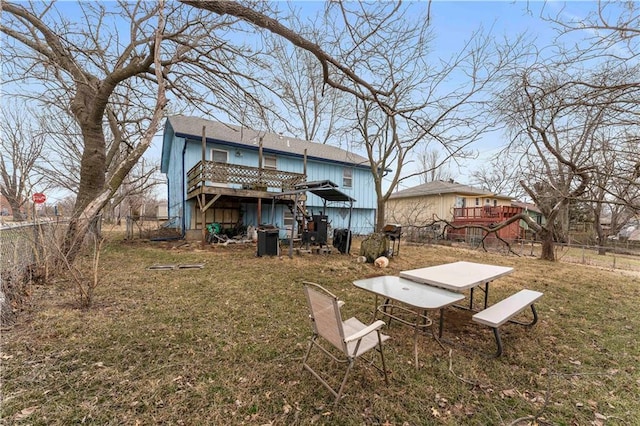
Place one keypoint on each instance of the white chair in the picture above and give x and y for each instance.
(352, 338)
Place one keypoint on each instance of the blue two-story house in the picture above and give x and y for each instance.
(238, 177)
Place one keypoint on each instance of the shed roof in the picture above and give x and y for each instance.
(324, 189)
(191, 127)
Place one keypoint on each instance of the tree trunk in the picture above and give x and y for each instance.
(15, 209)
(602, 249)
(80, 225)
(548, 246)
(92, 182)
(92, 166)
(380, 219)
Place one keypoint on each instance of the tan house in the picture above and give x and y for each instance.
(450, 201)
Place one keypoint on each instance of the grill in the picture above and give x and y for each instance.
(393, 232)
(316, 232)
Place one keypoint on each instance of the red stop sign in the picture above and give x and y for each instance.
(39, 198)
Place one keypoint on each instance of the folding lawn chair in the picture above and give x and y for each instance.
(351, 337)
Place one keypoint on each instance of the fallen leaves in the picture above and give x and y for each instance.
(24, 413)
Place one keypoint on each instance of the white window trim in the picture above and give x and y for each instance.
(219, 150)
(275, 161)
(348, 178)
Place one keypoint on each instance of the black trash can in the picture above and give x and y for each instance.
(268, 242)
(342, 240)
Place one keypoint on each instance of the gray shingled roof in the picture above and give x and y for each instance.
(226, 133)
(440, 187)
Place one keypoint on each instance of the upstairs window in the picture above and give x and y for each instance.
(219, 156)
(269, 162)
(347, 177)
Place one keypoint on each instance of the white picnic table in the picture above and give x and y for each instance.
(459, 276)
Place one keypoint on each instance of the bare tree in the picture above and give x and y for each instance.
(61, 164)
(613, 194)
(21, 143)
(611, 40)
(404, 101)
(556, 126)
(423, 108)
(583, 111)
(334, 72)
(88, 69)
(87, 63)
(433, 166)
(501, 175)
(314, 111)
(610, 31)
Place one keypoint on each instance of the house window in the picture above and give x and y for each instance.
(461, 202)
(495, 203)
(270, 162)
(347, 177)
(477, 201)
(219, 156)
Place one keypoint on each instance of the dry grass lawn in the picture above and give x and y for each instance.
(223, 345)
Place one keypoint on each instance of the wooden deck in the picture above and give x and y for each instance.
(486, 214)
(213, 178)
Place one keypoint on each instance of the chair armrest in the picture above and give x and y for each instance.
(369, 329)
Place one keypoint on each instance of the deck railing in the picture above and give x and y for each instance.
(247, 177)
(495, 213)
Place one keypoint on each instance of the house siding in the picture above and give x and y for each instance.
(420, 210)
(176, 185)
(458, 208)
(181, 152)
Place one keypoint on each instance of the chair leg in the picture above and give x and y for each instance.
(350, 361)
(384, 366)
(344, 382)
(306, 355)
(305, 366)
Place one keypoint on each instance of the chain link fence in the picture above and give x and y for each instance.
(25, 254)
(616, 255)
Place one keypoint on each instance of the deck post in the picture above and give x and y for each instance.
(202, 195)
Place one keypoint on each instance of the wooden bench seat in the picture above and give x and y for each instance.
(503, 311)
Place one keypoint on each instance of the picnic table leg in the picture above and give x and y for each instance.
(486, 294)
(386, 303)
(496, 333)
(441, 323)
(415, 340)
(375, 308)
(530, 323)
